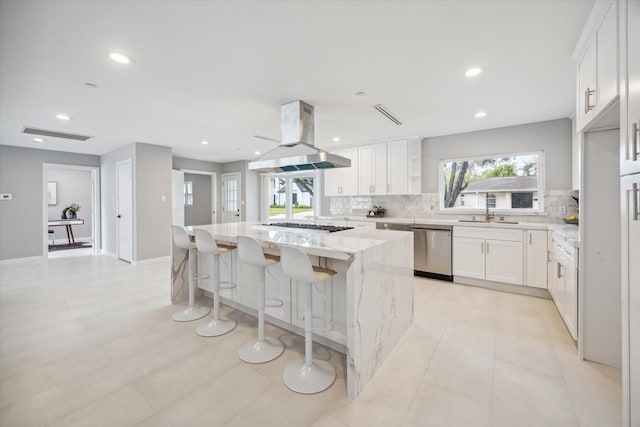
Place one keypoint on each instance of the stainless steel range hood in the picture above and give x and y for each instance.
(296, 151)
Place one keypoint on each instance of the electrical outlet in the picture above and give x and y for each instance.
(562, 210)
(6, 196)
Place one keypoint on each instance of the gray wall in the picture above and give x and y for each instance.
(21, 223)
(205, 166)
(73, 186)
(152, 201)
(109, 204)
(200, 212)
(552, 137)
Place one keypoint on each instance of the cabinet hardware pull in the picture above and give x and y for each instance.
(636, 208)
(530, 238)
(635, 133)
(558, 273)
(587, 96)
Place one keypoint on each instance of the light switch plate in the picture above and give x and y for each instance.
(6, 196)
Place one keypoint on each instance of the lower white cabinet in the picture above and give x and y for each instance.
(536, 258)
(563, 281)
(494, 254)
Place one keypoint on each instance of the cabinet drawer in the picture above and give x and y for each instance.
(509, 234)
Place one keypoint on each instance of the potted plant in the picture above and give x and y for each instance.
(377, 211)
(70, 211)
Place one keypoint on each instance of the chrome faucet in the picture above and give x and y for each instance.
(488, 215)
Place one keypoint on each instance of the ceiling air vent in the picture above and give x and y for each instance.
(54, 134)
(383, 110)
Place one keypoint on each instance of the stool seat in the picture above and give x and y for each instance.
(306, 376)
(207, 245)
(192, 312)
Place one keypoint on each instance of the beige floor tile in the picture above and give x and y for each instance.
(357, 414)
(125, 407)
(328, 421)
(463, 365)
(434, 406)
(528, 351)
(522, 397)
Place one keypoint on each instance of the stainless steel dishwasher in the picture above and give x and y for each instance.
(431, 248)
(432, 251)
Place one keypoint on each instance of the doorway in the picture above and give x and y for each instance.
(231, 197)
(194, 197)
(124, 198)
(65, 186)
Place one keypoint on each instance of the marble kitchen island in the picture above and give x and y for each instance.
(363, 311)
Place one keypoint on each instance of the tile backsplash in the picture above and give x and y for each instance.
(558, 205)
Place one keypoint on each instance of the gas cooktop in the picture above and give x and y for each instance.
(329, 228)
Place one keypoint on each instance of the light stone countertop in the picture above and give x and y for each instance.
(339, 245)
(569, 231)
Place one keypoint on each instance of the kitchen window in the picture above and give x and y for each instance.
(291, 196)
(505, 183)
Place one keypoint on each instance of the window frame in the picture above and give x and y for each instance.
(288, 176)
(188, 196)
(520, 211)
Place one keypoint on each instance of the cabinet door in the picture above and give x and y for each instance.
(607, 59)
(397, 170)
(586, 99)
(630, 110)
(349, 185)
(551, 276)
(630, 198)
(468, 257)
(570, 277)
(536, 265)
(332, 182)
(372, 160)
(560, 282)
(504, 261)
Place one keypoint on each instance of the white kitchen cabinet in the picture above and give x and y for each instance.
(630, 89)
(489, 254)
(563, 281)
(536, 258)
(598, 69)
(468, 257)
(630, 254)
(372, 169)
(343, 181)
(404, 167)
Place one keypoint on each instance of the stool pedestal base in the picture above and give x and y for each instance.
(215, 327)
(309, 379)
(261, 351)
(191, 313)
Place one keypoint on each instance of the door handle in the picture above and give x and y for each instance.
(119, 216)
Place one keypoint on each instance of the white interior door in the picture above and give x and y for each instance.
(125, 210)
(177, 197)
(231, 197)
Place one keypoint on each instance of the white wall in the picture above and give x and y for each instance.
(73, 186)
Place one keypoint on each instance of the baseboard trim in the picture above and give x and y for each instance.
(23, 259)
(152, 260)
(504, 287)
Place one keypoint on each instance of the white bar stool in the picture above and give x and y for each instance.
(264, 349)
(206, 244)
(193, 312)
(306, 375)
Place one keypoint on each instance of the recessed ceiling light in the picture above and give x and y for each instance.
(38, 140)
(336, 139)
(480, 114)
(472, 72)
(204, 142)
(256, 153)
(120, 58)
(62, 116)
(360, 94)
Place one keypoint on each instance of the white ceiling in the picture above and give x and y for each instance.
(219, 70)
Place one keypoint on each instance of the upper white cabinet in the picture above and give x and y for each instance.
(343, 181)
(630, 88)
(372, 162)
(384, 168)
(598, 71)
(536, 258)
